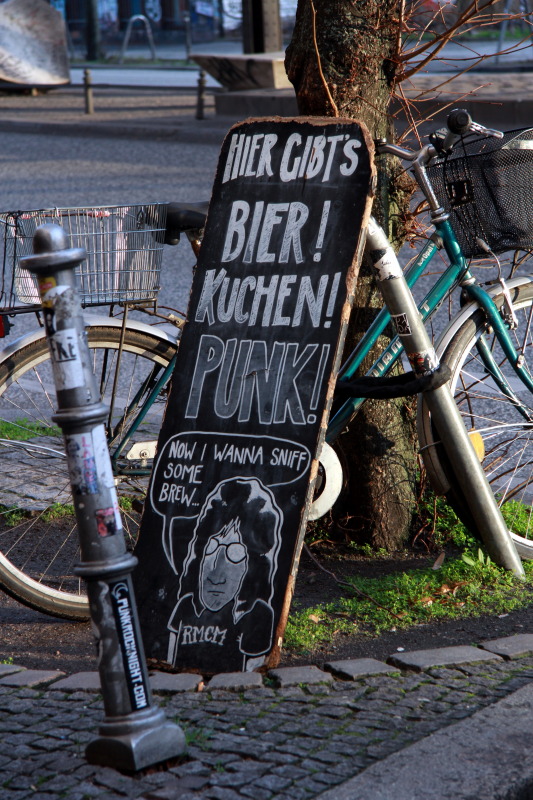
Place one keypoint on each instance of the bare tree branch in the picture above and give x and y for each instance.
(470, 13)
(523, 44)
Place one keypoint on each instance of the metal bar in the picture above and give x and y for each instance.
(445, 413)
(341, 418)
(494, 319)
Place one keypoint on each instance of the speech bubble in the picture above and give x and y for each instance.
(189, 463)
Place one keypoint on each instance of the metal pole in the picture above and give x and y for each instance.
(88, 90)
(188, 31)
(441, 404)
(134, 733)
(92, 31)
(148, 31)
(200, 96)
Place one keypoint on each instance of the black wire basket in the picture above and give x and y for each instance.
(486, 186)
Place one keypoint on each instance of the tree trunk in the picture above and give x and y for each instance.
(342, 62)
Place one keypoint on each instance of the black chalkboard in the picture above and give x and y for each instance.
(225, 516)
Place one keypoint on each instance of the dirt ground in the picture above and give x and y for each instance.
(42, 642)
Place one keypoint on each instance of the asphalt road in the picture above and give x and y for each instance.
(43, 171)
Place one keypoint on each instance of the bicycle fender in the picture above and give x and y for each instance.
(92, 320)
(470, 308)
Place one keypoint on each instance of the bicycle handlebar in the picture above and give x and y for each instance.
(458, 124)
(442, 141)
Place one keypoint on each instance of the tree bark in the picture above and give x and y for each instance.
(342, 61)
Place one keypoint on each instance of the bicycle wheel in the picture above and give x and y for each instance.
(38, 535)
(499, 421)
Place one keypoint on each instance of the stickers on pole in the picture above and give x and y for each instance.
(90, 472)
(66, 359)
(226, 508)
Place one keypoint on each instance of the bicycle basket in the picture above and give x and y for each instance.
(124, 251)
(485, 186)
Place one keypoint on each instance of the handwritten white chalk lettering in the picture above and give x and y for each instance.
(275, 300)
(253, 161)
(246, 231)
(302, 157)
(182, 449)
(210, 634)
(185, 472)
(247, 378)
(288, 458)
(238, 455)
(177, 493)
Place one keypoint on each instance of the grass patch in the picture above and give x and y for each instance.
(465, 586)
(12, 516)
(125, 503)
(439, 526)
(57, 511)
(23, 429)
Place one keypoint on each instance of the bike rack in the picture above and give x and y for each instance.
(149, 36)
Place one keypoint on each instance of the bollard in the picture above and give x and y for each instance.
(88, 90)
(134, 733)
(200, 96)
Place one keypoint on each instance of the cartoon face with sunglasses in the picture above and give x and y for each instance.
(224, 565)
(224, 611)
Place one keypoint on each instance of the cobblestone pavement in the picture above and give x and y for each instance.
(291, 735)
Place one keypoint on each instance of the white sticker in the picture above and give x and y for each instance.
(104, 470)
(66, 359)
(90, 470)
(55, 291)
(82, 463)
(103, 461)
(388, 267)
(402, 324)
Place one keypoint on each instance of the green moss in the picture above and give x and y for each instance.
(469, 585)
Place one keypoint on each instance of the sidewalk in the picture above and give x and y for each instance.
(166, 109)
(428, 724)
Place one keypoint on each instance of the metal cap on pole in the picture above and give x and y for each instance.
(135, 733)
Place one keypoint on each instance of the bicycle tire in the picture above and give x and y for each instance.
(501, 435)
(38, 536)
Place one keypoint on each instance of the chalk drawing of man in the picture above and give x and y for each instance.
(224, 611)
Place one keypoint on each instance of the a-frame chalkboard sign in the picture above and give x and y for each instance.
(225, 515)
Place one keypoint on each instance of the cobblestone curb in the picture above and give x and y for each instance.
(293, 742)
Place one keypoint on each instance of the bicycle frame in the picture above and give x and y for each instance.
(457, 273)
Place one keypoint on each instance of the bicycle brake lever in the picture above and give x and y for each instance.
(475, 127)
